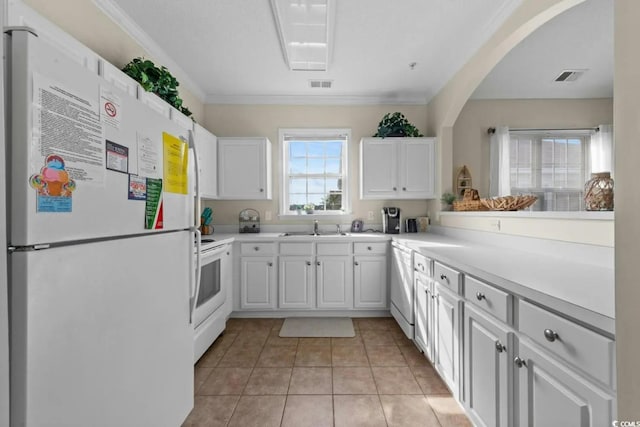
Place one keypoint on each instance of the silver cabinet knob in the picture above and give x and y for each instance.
(444, 277)
(519, 362)
(499, 347)
(356, 263)
(270, 264)
(551, 335)
(262, 190)
(369, 248)
(256, 248)
(317, 262)
(394, 188)
(404, 188)
(480, 296)
(228, 253)
(308, 262)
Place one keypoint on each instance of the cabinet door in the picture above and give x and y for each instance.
(370, 282)
(417, 168)
(550, 394)
(424, 319)
(257, 283)
(378, 168)
(487, 363)
(243, 168)
(334, 281)
(295, 284)
(447, 336)
(207, 156)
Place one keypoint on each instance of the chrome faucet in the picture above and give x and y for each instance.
(315, 228)
(339, 229)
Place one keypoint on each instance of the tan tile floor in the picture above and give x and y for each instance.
(252, 377)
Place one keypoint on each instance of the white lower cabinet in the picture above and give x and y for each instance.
(334, 281)
(370, 281)
(424, 303)
(487, 368)
(258, 283)
(551, 394)
(295, 282)
(447, 336)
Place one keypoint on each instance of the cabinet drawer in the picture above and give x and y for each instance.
(421, 264)
(334, 248)
(487, 297)
(296, 248)
(447, 276)
(587, 350)
(258, 248)
(370, 248)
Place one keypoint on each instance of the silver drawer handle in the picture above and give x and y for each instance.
(480, 296)
(519, 362)
(499, 347)
(551, 335)
(421, 266)
(443, 277)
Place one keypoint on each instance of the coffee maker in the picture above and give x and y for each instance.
(391, 220)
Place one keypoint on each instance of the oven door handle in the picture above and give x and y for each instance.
(198, 276)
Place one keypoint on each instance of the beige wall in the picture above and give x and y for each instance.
(447, 104)
(471, 141)
(627, 138)
(103, 36)
(265, 120)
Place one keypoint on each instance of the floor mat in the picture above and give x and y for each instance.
(301, 327)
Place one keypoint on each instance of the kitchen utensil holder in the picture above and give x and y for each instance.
(249, 221)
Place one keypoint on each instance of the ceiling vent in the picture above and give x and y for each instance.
(569, 75)
(323, 84)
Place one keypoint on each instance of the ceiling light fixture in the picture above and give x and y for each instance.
(305, 28)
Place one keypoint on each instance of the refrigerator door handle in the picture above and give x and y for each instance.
(198, 275)
(198, 207)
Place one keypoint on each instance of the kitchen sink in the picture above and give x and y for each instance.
(306, 233)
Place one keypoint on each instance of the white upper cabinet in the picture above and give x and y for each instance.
(244, 168)
(207, 162)
(397, 168)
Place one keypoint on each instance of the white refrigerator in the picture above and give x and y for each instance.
(100, 234)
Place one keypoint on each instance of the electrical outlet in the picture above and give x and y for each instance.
(370, 215)
(267, 215)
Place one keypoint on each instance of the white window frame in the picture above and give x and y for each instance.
(284, 169)
(550, 193)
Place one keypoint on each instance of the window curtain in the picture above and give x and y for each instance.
(601, 150)
(500, 178)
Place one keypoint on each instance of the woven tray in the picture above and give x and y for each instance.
(509, 203)
(468, 205)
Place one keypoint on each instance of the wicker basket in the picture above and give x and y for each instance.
(470, 202)
(509, 203)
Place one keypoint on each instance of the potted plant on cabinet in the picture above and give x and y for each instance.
(157, 80)
(396, 124)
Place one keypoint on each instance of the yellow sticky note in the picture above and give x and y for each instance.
(176, 154)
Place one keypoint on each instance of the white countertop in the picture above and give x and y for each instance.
(580, 290)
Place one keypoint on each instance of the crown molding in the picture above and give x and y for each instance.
(129, 26)
(315, 100)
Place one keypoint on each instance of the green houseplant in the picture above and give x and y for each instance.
(447, 199)
(157, 80)
(396, 124)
